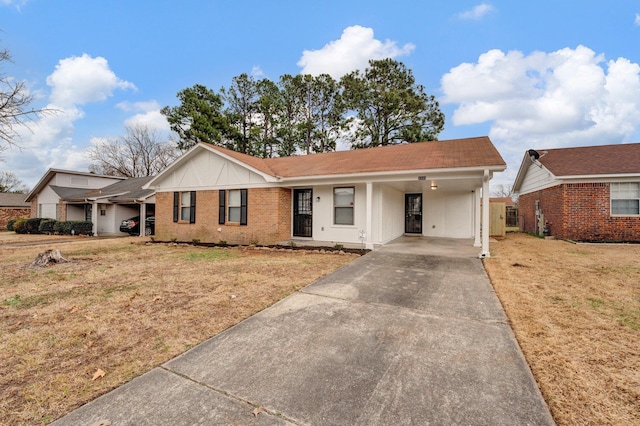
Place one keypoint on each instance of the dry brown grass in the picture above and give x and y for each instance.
(123, 307)
(575, 310)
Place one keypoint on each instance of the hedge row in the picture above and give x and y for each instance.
(38, 225)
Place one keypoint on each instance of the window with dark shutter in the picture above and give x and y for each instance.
(192, 206)
(176, 206)
(243, 207)
(222, 206)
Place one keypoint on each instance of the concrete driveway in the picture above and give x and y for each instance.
(410, 334)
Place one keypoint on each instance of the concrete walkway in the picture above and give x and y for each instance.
(410, 334)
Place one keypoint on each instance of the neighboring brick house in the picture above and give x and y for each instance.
(584, 193)
(367, 197)
(12, 206)
(104, 200)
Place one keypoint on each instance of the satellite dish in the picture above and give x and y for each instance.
(533, 154)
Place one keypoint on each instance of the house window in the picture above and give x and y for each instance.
(184, 206)
(232, 206)
(625, 198)
(343, 199)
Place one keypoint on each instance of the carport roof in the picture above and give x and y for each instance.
(127, 190)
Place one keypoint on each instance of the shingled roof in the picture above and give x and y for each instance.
(450, 154)
(592, 160)
(8, 199)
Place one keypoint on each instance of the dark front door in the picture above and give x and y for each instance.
(302, 209)
(413, 213)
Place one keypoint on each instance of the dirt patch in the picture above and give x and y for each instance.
(575, 310)
(72, 331)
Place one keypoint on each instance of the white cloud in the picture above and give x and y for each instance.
(352, 51)
(637, 21)
(81, 79)
(257, 72)
(147, 114)
(477, 13)
(48, 141)
(16, 3)
(570, 97)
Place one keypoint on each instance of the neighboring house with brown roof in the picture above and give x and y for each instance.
(12, 206)
(587, 193)
(368, 196)
(104, 200)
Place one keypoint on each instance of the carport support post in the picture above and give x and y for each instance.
(485, 214)
(369, 220)
(477, 220)
(143, 218)
(94, 218)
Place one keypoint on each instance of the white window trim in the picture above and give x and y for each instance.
(611, 199)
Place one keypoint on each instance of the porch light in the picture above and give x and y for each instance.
(433, 185)
(317, 199)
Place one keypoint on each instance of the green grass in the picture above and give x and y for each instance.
(208, 255)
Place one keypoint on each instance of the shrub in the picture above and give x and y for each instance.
(18, 226)
(75, 227)
(10, 223)
(32, 225)
(46, 226)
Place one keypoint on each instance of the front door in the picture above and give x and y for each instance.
(302, 212)
(413, 213)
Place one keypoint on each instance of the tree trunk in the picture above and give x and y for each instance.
(47, 257)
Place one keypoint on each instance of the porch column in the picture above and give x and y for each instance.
(143, 218)
(369, 220)
(477, 217)
(94, 218)
(485, 215)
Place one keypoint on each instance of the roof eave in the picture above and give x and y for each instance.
(378, 175)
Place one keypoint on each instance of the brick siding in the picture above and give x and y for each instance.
(8, 213)
(268, 219)
(578, 211)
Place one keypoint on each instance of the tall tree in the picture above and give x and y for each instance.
(241, 99)
(14, 101)
(269, 106)
(390, 107)
(9, 182)
(198, 118)
(290, 117)
(138, 153)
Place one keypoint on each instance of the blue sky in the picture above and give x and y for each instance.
(541, 74)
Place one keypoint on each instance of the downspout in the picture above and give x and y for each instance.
(485, 215)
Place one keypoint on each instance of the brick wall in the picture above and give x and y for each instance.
(268, 219)
(579, 211)
(8, 213)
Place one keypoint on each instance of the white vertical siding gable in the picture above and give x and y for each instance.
(536, 178)
(209, 170)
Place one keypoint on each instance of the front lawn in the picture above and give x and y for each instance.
(73, 331)
(575, 310)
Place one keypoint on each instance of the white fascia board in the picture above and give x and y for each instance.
(217, 187)
(396, 175)
(598, 178)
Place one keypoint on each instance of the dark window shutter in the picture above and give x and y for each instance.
(192, 209)
(176, 206)
(222, 206)
(243, 207)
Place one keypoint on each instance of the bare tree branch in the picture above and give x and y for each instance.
(136, 154)
(14, 101)
(9, 182)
